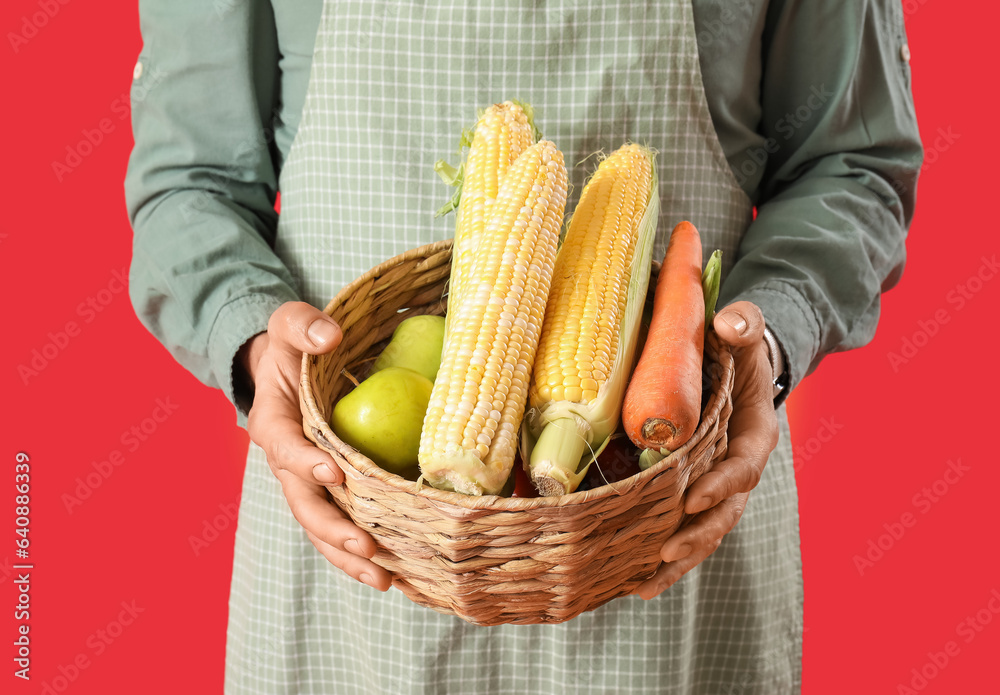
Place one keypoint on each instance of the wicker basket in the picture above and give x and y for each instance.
(493, 560)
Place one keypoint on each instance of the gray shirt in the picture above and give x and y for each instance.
(811, 101)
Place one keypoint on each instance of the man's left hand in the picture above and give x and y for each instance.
(718, 498)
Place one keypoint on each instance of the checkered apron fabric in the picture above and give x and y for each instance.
(392, 85)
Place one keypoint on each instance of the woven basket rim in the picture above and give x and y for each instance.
(368, 468)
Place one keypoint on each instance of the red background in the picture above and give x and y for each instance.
(130, 541)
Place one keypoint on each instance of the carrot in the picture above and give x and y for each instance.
(663, 401)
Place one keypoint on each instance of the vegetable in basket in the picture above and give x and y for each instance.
(470, 432)
(664, 400)
(501, 134)
(592, 321)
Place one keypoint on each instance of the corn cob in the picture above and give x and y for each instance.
(502, 133)
(592, 321)
(470, 431)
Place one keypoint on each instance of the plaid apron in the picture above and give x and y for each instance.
(392, 84)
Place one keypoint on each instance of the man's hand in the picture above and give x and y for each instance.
(719, 496)
(272, 360)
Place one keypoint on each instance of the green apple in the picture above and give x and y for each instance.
(416, 344)
(383, 415)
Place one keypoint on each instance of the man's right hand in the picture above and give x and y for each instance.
(272, 360)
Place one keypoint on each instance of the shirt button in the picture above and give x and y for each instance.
(904, 53)
(137, 71)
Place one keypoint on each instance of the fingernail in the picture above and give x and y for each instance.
(324, 474)
(703, 502)
(367, 579)
(352, 546)
(321, 332)
(682, 552)
(735, 321)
